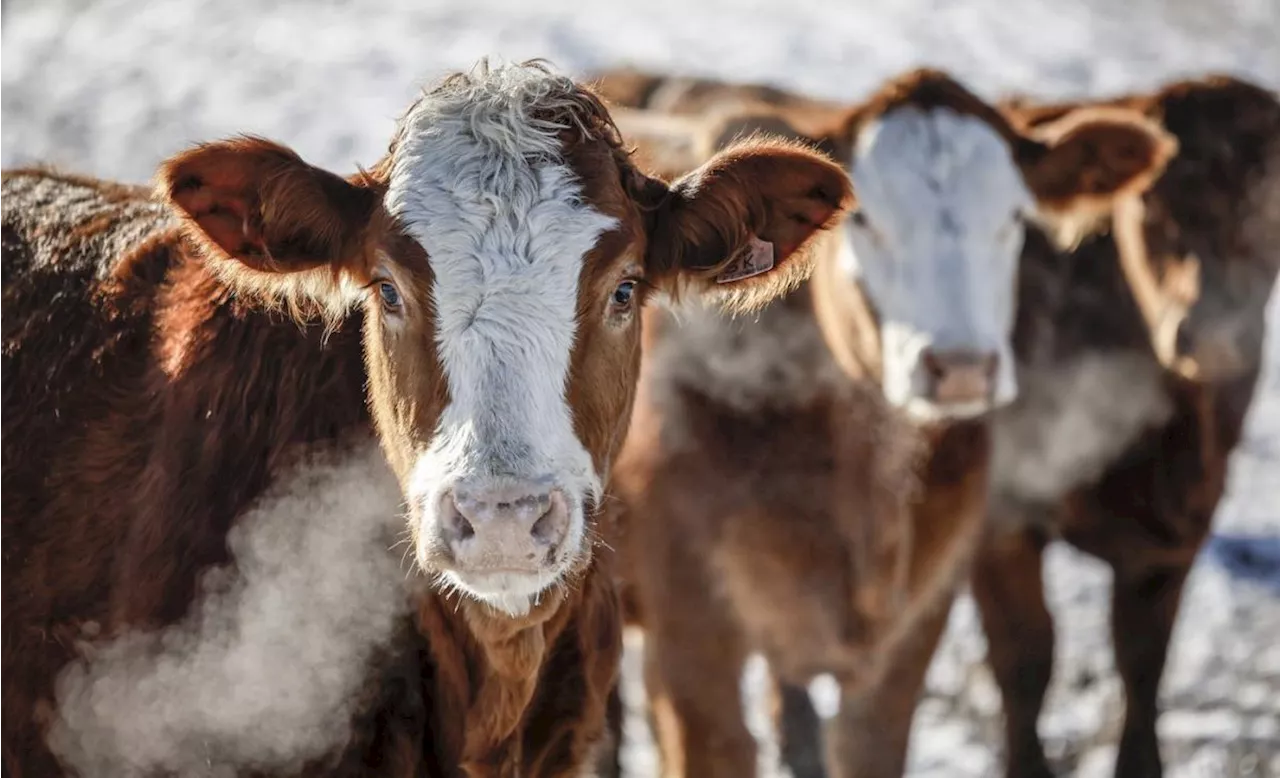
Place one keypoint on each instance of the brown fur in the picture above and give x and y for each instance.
(152, 392)
(1149, 507)
(808, 520)
(793, 530)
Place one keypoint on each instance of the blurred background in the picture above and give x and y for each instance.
(110, 88)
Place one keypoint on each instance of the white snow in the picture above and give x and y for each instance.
(112, 87)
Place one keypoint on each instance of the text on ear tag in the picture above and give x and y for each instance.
(757, 258)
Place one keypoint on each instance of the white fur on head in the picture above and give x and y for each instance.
(480, 181)
(936, 250)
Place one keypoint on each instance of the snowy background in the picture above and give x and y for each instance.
(110, 88)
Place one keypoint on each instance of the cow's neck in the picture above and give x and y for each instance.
(808, 345)
(775, 359)
(512, 651)
(490, 670)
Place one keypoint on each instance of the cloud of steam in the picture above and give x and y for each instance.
(1072, 420)
(264, 672)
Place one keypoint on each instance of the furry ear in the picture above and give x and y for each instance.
(258, 203)
(1079, 165)
(738, 227)
(275, 228)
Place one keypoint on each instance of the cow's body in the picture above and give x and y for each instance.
(1119, 455)
(462, 379)
(798, 516)
(94, 274)
(830, 513)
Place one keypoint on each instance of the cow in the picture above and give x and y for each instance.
(460, 322)
(825, 512)
(1139, 354)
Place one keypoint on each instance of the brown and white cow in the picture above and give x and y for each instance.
(811, 484)
(1138, 355)
(483, 283)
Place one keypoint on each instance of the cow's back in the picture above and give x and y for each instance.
(70, 223)
(73, 301)
(73, 309)
(690, 96)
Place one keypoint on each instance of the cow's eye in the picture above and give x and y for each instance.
(389, 294)
(624, 293)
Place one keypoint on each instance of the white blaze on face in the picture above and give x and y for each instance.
(483, 188)
(936, 249)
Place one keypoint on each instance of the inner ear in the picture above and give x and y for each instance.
(260, 204)
(1095, 154)
(738, 227)
(225, 216)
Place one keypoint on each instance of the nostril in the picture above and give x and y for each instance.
(542, 528)
(553, 521)
(455, 524)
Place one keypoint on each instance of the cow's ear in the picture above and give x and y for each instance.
(739, 227)
(1079, 165)
(258, 203)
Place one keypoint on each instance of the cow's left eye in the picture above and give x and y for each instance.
(623, 295)
(389, 294)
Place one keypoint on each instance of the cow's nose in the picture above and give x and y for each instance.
(957, 376)
(512, 526)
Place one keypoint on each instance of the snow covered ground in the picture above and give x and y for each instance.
(111, 87)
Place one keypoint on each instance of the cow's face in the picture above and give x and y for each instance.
(945, 187)
(501, 253)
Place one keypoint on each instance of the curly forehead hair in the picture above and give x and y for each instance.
(533, 99)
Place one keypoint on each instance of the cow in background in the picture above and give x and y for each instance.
(812, 484)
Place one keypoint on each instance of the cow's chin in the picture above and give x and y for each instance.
(511, 592)
(922, 411)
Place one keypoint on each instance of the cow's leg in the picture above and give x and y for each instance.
(693, 657)
(1008, 586)
(1144, 606)
(799, 730)
(868, 737)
